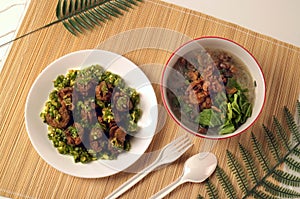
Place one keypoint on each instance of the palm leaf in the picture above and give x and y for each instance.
(268, 185)
(80, 15)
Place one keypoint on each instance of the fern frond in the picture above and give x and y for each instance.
(225, 183)
(69, 27)
(110, 10)
(119, 5)
(296, 152)
(249, 163)
(124, 3)
(280, 191)
(286, 178)
(74, 25)
(263, 195)
(281, 134)
(86, 19)
(200, 197)
(272, 143)
(211, 190)
(80, 15)
(298, 110)
(292, 124)
(238, 171)
(263, 160)
(293, 164)
(262, 188)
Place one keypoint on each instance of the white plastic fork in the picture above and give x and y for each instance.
(168, 154)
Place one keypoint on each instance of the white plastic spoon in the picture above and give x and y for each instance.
(196, 169)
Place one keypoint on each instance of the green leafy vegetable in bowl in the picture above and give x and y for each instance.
(210, 91)
(232, 112)
(91, 114)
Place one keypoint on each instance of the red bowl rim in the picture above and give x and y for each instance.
(178, 122)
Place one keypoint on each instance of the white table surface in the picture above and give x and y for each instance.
(276, 18)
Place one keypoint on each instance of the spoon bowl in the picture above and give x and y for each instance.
(196, 169)
(199, 167)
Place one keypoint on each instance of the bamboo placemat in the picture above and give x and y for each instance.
(23, 174)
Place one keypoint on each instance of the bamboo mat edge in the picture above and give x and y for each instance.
(269, 39)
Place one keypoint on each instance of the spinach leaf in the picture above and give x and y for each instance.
(238, 109)
(209, 118)
(227, 128)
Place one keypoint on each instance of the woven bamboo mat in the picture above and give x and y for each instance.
(136, 35)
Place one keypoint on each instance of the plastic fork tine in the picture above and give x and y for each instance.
(184, 146)
(168, 154)
(176, 141)
(183, 143)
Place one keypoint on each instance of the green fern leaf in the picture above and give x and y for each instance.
(263, 195)
(200, 197)
(98, 15)
(132, 1)
(64, 7)
(79, 15)
(102, 13)
(71, 6)
(83, 4)
(225, 183)
(298, 108)
(281, 134)
(263, 160)
(124, 2)
(272, 143)
(293, 164)
(280, 191)
(249, 163)
(108, 11)
(238, 171)
(292, 124)
(87, 20)
(211, 190)
(286, 178)
(68, 26)
(113, 9)
(77, 5)
(262, 188)
(80, 22)
(296, 152)
(119, 5)
(92, 17)
(74, 25)
(58, 9)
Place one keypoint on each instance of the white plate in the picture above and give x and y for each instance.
(38, 95)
